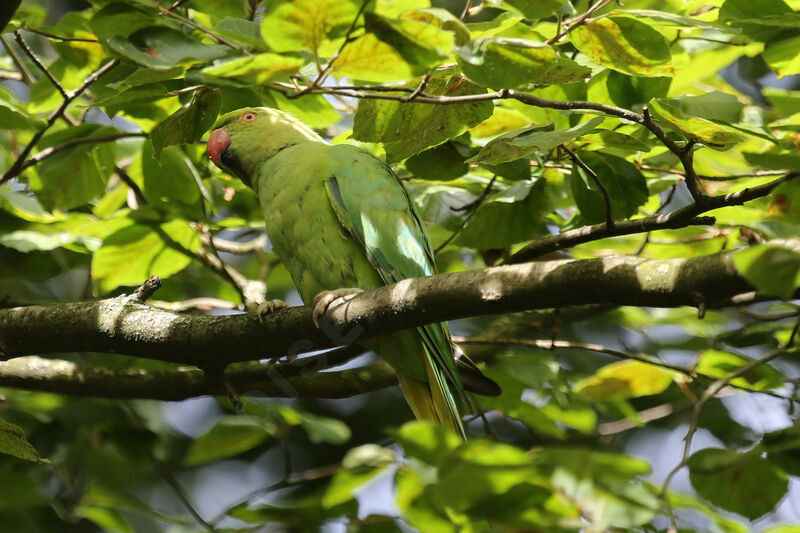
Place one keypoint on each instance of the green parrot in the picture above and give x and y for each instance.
(341, 222)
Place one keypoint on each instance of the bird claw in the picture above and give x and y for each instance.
(269, 307)
(327, 299)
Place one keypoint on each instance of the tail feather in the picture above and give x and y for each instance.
(432, 400)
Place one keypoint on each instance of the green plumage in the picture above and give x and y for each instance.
(338, 217)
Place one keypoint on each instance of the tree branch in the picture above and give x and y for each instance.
(685, 216)
(118, 325)
(55, 115)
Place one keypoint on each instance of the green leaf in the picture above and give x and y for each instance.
(372, 60)
(720, 364)
(12, 119)
(443, 162)
(421, 45)
(120, 20)
(599, 139)
(426, 441)
(241, 31)
(771, 269)
(629, 91)
(368, 455)
(497, 25)
(713, 105)
(625, 184)
(230, 435)
(187, 124)
(771, 160)
(325, 429)
(312, 109)
(625, 379)
(704, 131)
(134, 253)
(624, 44)
(259, 69)
(109, 520)
(220, 8)
(167, 180)
(783, 448)
(291, 26)
(100, 495)
(407, 129)
(513, 63)
(762, 20)
(479, 470)
(443, 19)
(743, 483)
(164, 48)
(533, 9)
(527, 141)
(784, 56)
(76, 175)
(346, 483)
(13, 442)
(513, 216)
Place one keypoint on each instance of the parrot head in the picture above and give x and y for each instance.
(243, 140)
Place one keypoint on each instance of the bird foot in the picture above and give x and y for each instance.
(327, 299)
(269, 307)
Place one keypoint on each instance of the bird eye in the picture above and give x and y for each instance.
(249, 117)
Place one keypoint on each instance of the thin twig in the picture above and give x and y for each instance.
(25, 74)
(203, 29)
(237, 248)
(6, 75)
(36, 61)
(473, 207)
(707, 396)
(347, 40)
(551, 344)
(127, 180)
(52, 150)
(164, 471)
(578, 21)
(55, 115)
(60, 37)
(593, 175)
(465, 11)
(685, 216)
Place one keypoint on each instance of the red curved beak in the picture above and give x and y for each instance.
(218, 142)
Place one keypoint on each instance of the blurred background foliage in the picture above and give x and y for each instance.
(105, 181)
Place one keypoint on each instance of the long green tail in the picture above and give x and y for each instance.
(432, 400)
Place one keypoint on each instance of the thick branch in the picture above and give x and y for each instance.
(286, 380)
(122, 326)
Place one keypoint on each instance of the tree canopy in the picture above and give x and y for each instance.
(612, 197)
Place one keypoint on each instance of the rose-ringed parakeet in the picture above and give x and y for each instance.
(340, 221)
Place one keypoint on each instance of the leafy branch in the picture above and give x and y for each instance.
(55, 115)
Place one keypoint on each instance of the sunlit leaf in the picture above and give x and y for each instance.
(721, 364)
(772, 269)
(511, 64)
(625, 379)
(407, 129)
(695, 128)
(134, 253)
(290, 26)
(624, 44)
